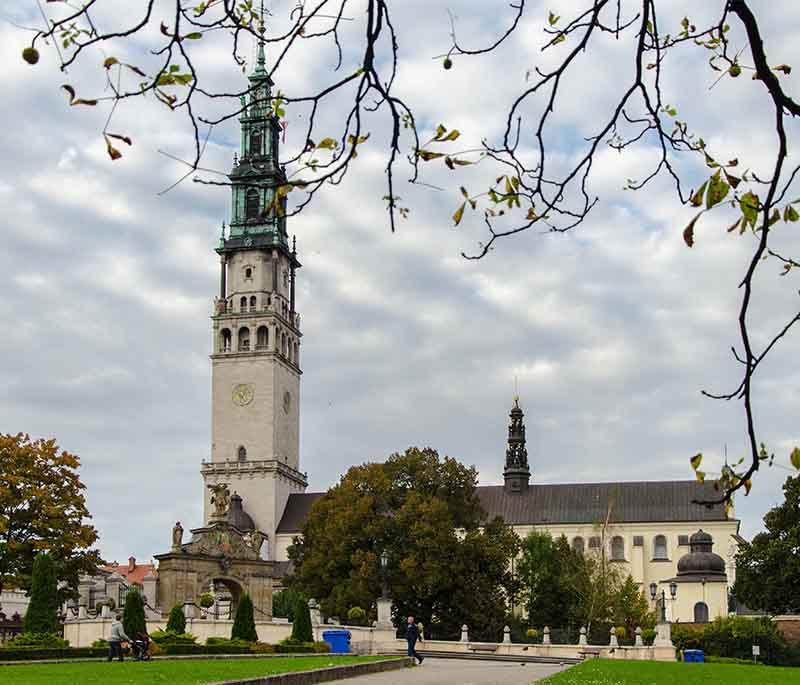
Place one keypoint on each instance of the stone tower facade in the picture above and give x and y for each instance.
(256, 337)
(517, 473)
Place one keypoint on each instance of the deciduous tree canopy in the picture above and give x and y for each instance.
(443, 568)
(768, 568)
(42, 509)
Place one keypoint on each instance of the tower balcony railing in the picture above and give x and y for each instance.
(209, 468)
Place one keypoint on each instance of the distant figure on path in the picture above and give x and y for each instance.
(412, 635)
(116, 638)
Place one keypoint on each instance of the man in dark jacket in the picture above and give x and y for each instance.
(116, 638)
(412, 635)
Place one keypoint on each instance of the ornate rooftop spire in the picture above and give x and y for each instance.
(517, 473)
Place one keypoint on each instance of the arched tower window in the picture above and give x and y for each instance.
(243, 304)
(242, 453)
(283, 344)
(244, 339)
(659, 547)
(262, 338)
(253, 303)
(248, 272)
(225, 340)
(296, 356)
(577, 544)
(255, 142)
(618, 548)
(701, 612)
(252, 204)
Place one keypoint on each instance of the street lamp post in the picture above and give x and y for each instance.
(673, 591)
(384, 565)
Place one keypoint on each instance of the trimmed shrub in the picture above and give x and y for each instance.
(244, 625)
(133, 620)
(38, 640)
(176, 623)
(648, 636)
(100, 643)
(283, 604)
(168, 637)
(261, 648)
(178, 649)
(206, 600)
(290, 646)
(301, 628)
(42, 613)
(356, 616)
(35, 653)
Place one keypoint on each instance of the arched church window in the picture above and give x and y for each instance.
(255, 142)
(243, 304)
(253, 303)
(577, 544)
(242, 453)
(244, 339)
(283, 344)
(252, 202)
(262, 338)
(659, 547)
(618, 548)
(295, 357)
(225, 340)
(701, 612)
(248, 272)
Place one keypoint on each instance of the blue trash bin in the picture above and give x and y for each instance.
(694, 656)
(339, 640)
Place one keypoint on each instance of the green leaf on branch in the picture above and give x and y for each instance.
(194, 36)
(749, 205)
(327, 144)
(553, 18)
(785, 68)
(790, 214)
(696, 460)
(794, 458)
(76, 100)
(459, 213)
(110, 62)
(427, 155)
(717, 190)
(697, 198)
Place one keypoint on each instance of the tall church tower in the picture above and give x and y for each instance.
(255, 362)
(517, 473)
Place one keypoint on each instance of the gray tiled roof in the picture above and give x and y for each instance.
(632, 502)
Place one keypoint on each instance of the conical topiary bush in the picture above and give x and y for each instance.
(244, 625)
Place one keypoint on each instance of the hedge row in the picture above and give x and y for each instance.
(35, 653)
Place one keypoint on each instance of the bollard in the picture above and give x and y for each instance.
(464, 633)
(506, 635)
(546, 636)
(582, 638)
(638, 642)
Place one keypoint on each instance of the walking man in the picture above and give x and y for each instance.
(116, 638)
(412, 635)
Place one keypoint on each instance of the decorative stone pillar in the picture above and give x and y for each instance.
(638, 642)
(188, 610)
(384, 613)
(613, 642)
(464, 633)
(81, 612)
(506, 635)
(582, 638)
(546, 636)
(149, 583)
(316, 616)
(105, 611)
(663, 635)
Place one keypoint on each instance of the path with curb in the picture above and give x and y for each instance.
(461, 672)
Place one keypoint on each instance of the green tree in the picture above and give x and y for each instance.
(42, 509)
(301, 626)
(42, 613)
(546, 573)
(244, 625)
(768, 568)
(631, 609)
(176, 622)
(424, 512)
(133, 619)
(283, 603)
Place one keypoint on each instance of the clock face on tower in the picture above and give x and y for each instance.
(243, 394)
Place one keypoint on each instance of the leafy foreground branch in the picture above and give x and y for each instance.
(530, 187)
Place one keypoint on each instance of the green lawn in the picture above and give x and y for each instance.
(183, 672)
(606, 672)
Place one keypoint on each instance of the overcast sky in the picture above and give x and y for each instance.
(612, 330)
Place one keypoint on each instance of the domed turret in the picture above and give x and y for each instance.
(238, 517)
(701, 561)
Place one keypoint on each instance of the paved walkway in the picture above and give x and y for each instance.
(461, 672)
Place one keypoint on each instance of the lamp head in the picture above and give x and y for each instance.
(384, 559)
(673, 589)
(653, 588)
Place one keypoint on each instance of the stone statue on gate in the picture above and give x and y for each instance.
(221, 499)
(177, 535)
(257, 539)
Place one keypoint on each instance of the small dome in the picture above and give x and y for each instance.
(701, 561)
(237, 516)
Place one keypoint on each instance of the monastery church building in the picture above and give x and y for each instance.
(256, 374)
